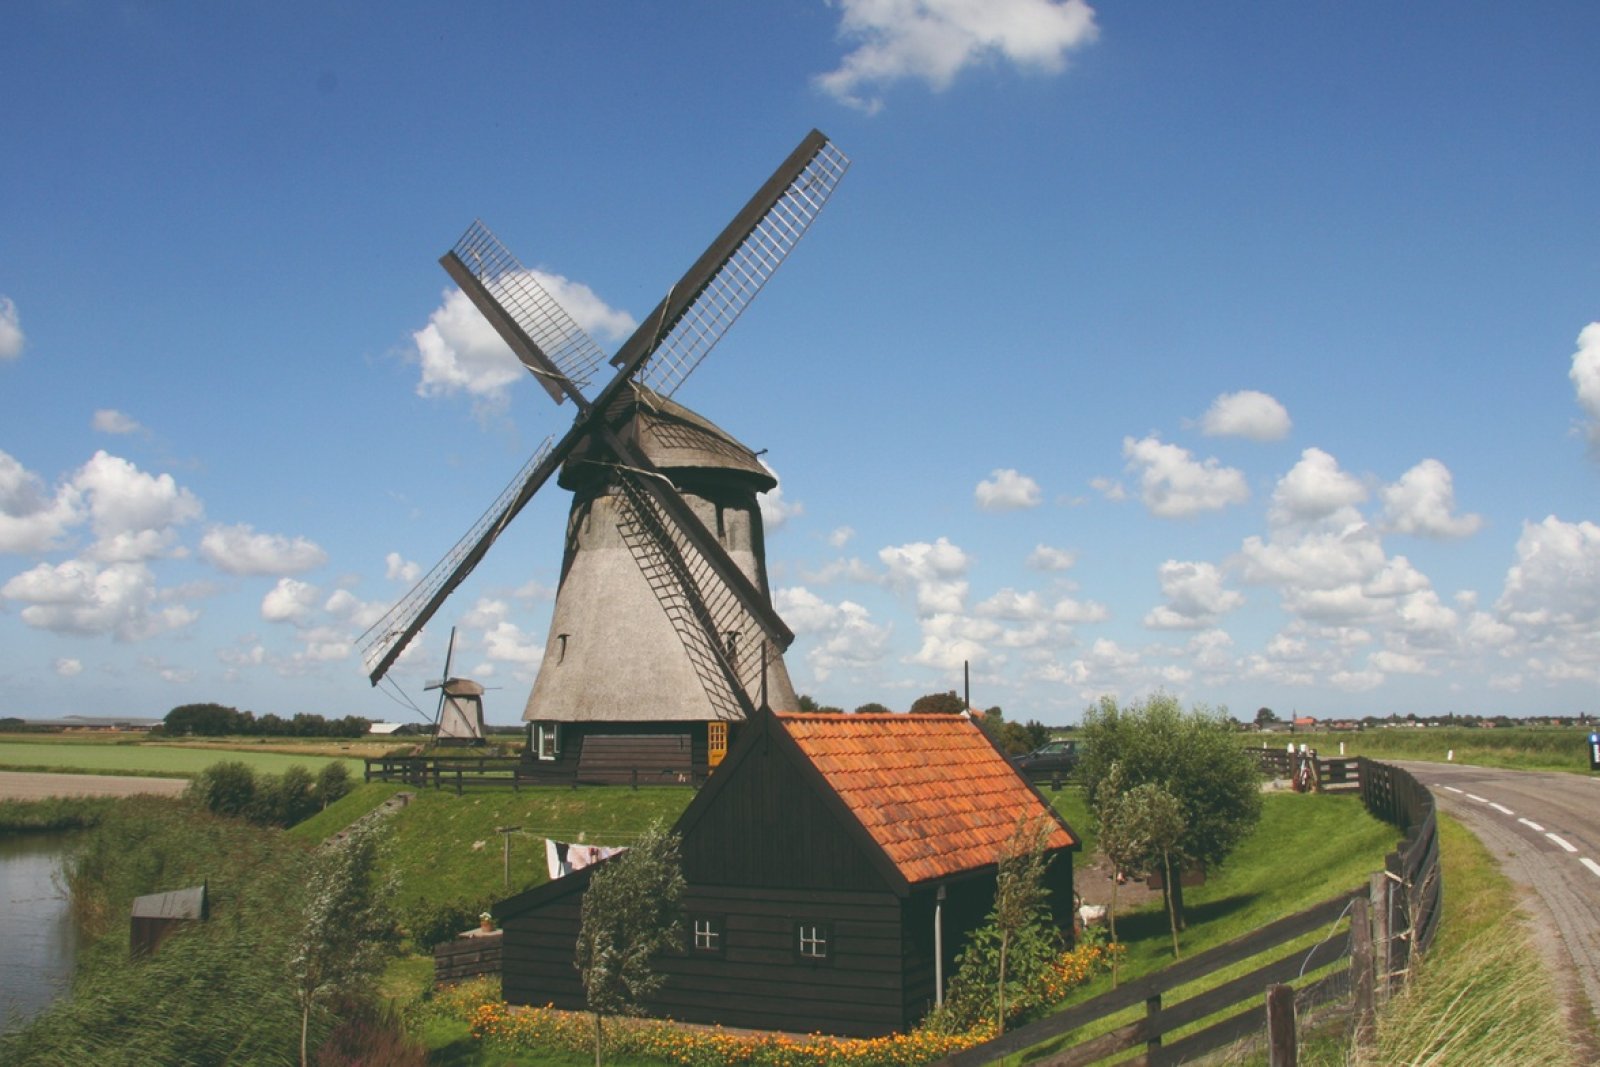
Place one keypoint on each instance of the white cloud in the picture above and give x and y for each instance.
(397, 568)
(1109, 488)
(82, 597)
(110, 420)
(934, 573)
(934, 40)
(1247, 413)
(844, 634)
(66, 667)
(1195, 597)
(1554, 585)
(1070, 611)
(1007, 490)
(950, 640)
(841, 536)
(1315, 489)
(239, 549)
(1585, 375)
(289, 601)
(1045, 558)
(134, 515)
(775, 510)
(459, 352)
(1010, 604)
(32, 521)
(347, 607)
(1173, 485)
(1423, 502)
(11, 339)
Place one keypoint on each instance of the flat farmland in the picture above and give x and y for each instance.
(159, 760)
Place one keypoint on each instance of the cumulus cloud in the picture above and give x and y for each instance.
(33, 520)
(1554, 585)
(1247, 413)
(134, 515)
(1195, 597)
(775, 510)
(84, 598)
(110, 420)
(1585, 375)
(934, 40)
(1007, 490)
(1423, 502)
(1173, 484)
(841, 536)
(397, 568)
(459, 352)
(843, 634)
(11, 338)
(1316, 489)
(347, 607)
(239, 549)
(1045, 558)
(289, 601)
(949, 640)
(66, 667)
(934, 573)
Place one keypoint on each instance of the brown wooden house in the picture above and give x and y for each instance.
(825, 860)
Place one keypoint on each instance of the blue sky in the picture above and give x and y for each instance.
(1243, 352)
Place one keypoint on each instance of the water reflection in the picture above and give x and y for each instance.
(38, 940)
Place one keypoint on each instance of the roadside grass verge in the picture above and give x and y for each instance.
(147, 760)
(1521, 748)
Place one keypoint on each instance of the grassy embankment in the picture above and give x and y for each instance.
(99, 755)
(1520, 748)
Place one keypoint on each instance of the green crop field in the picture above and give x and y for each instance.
(146, 759)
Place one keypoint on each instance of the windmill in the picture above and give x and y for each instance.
(459, 718)
(630, 457)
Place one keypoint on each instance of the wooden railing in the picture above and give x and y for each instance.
(1371, 936)
(455, 771)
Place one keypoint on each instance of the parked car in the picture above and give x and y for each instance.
(1050, 758)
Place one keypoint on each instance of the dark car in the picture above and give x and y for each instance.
(1050, 758)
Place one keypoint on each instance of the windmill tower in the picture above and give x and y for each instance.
(459, 718)
(647, 669)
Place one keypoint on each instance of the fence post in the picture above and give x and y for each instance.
(1361, 967)
(1281, 1048)
(1379, 894)
(1152, 1008)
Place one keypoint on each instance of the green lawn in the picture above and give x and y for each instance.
(147, 759)
(1525, 748)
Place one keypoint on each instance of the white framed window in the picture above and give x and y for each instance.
(813, 940)
(707, 934)
(547, 740)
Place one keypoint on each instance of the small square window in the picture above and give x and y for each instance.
(706, 934)
(814, 941)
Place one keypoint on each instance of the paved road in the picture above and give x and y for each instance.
(31, 785)
(1544, 828)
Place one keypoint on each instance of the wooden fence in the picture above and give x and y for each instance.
(1336, 774)
(453, 771)
(1370, 936)
(468, 956)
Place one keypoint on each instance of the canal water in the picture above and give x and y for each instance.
(38, 939)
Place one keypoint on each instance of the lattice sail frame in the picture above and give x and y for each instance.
(529, 304)
(694, 601)
(726, 296)
(382, 635)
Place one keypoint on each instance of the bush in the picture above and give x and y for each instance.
(227, 788)
(429, 923)
(333, 783)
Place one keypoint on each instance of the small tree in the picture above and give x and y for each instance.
(1116, 843)
(1265, 716)
(227, 788)
(346, 935)
(872, 708)
(631, 912)
(938, 704)
(1152, 823)
(333, 782)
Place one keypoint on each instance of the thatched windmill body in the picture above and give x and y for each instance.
(664, 637)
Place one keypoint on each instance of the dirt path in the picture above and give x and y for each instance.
(34, 785)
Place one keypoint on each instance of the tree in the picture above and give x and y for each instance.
(333, 782)
(938, 704)
(206, 720)
(631, 912)
(227, 788)
(1152, 824)
(346, 936)
(1265, 715)
(1195, 757)
(1017, 942)
(872, 709)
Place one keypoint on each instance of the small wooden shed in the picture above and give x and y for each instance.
(825, 861)
(158, 916)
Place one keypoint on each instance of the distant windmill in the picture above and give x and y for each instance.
(654, 484)
(459, 718)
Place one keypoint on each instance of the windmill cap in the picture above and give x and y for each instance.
(673, 438)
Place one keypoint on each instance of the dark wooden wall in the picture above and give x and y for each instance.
(663, 753)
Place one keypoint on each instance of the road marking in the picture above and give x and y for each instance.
(1532, 825)
(1563, 844)
(1594, 868)
(1501, 808)
(1474, 796)
(1452, 789)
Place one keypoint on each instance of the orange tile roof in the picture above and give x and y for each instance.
(930, 789)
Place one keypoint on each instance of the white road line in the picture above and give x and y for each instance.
(1563, 844)
(1501, 808)
(1474, 796)
(1594, 868)
(1530, 824)
(1452, 789)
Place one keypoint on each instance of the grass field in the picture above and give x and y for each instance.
(177, 761)
(1522, 748)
